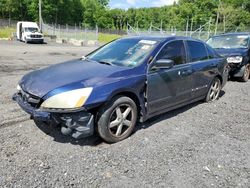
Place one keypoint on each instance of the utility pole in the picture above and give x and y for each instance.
(40, 15)
(191, 28)
(209, 27)
(187, 26)
(217, 19)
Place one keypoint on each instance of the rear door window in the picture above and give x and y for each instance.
(197, 51)
(175, 51)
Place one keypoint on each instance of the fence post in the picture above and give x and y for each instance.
(96, 33)
(200, 32)
(67, 29)
(59, 31)
(209, 27)
(75, 31)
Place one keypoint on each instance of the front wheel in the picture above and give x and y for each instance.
(245, 77)
(117, 119)
(214, 90)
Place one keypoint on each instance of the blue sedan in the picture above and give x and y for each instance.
(128, 80)
(236, 48)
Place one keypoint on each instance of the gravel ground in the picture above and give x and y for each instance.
(200, 145)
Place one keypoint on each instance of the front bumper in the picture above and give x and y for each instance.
(35, 113)
(38, 40)
(76, 124)
(236, 70)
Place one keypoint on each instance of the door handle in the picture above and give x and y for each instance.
(187, 72)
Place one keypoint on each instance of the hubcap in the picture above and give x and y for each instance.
(120, 120)
(215, 91)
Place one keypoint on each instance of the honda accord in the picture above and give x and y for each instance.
(124, 82)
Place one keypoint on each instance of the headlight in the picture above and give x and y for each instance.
(237, 59)
(18, 87)
(68, 100)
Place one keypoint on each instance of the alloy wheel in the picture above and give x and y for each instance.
(121, 120)
(215, 90)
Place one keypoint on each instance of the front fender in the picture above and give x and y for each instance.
(103, 94)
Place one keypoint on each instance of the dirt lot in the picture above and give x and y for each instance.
(200, 145)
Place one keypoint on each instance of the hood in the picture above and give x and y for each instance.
(85, 73)
(232, 52)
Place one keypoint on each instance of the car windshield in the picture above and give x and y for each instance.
(229, 41)
(31, 29)
(124, 52)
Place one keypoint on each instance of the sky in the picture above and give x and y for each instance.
(125, 4)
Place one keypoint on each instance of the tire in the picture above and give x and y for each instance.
(214, 90)
(117, 119)
(246, 75)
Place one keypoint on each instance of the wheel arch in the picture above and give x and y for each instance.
(220, 78)
(131, 95)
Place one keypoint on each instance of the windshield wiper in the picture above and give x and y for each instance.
(105, 63)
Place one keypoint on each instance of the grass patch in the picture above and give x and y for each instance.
(105, 38)
(6, 32)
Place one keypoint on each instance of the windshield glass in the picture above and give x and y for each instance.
(229, 41)
(31, 29)
(124, 52)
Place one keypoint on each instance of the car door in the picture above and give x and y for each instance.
(169, 87)
(204, 67)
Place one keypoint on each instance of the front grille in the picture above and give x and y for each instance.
(36, 36)
(233, 65)
(32, 100)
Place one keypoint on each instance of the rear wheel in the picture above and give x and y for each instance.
(214, 90)
(245, 77)
(117, 119)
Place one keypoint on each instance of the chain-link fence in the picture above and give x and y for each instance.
(202, 35)
(66, 32)
(7, 23)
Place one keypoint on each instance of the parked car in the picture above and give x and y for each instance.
(126, 81)
(236, 47)
(29, 32)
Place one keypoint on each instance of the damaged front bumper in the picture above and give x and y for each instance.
(77, 124)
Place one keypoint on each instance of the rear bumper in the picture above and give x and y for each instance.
(76, 124)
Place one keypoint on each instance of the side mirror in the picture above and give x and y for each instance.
(163, 64)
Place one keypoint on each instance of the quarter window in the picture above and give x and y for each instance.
(197, 51)
(175, 51)
(210, 52)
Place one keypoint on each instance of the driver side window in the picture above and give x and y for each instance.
(175, 51)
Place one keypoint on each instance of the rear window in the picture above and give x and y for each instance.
(197, 51)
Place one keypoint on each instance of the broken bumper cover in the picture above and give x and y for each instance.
(76, 124)
(35, 113)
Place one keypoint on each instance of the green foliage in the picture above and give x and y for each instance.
(233, 14)
(6, 32)
(104, 38)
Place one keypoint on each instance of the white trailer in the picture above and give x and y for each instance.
(29, 32)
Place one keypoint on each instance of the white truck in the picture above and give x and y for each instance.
(29, 32)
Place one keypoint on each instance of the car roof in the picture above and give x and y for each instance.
(236, 33)
(162, 38)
